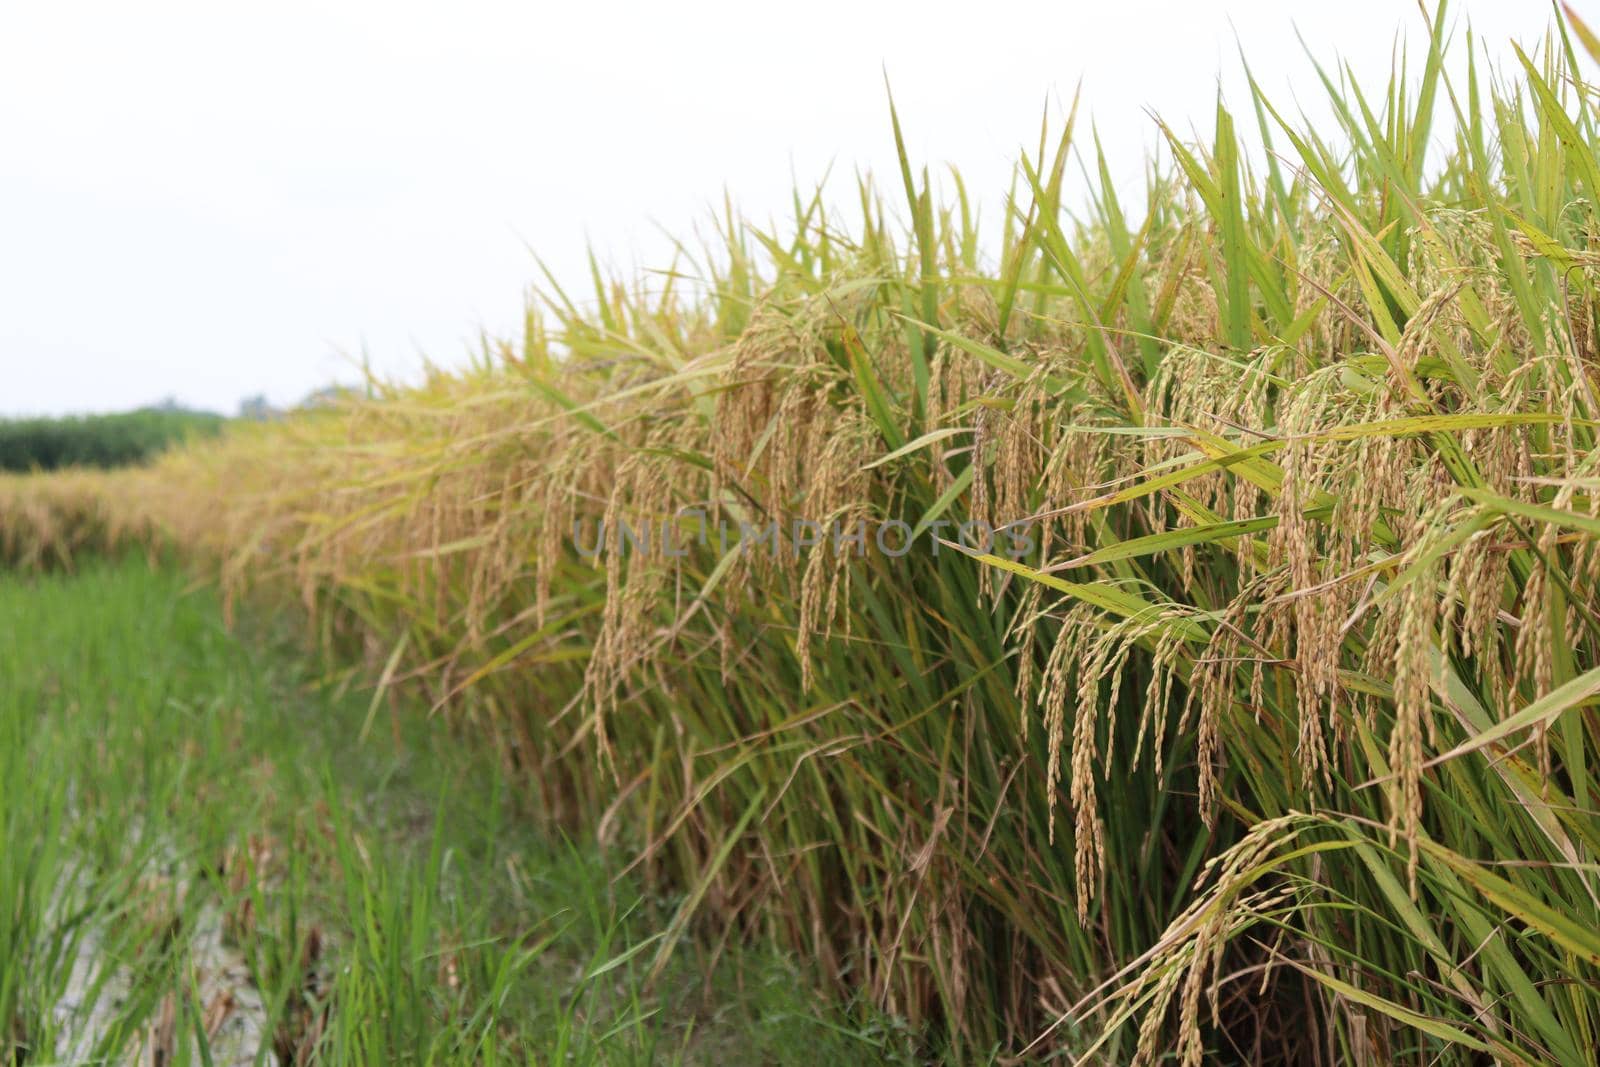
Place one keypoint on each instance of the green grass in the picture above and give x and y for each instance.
(156, 769)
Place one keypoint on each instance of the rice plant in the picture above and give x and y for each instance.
(1266, 738)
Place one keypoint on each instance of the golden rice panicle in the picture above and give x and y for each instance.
(748, 400)
(1102, 669)
(838, 490)
(1088, 835)
(1077, 628)
(1220, 394)
(1023, 636)
(618, 640)
(1297, 544)
(1164, 674)
(1186, 962)
(1211, 693)
(556, 486)
(1082, 464)
(1584, 571)
(955, 379)
(1021, 449)
(1416, 613)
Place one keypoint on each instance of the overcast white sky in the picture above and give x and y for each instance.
(214, 200)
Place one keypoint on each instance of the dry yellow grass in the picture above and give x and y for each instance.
(51, 521)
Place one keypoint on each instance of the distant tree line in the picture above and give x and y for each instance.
(99, 440)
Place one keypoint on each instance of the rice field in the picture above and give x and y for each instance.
(1159, 631)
